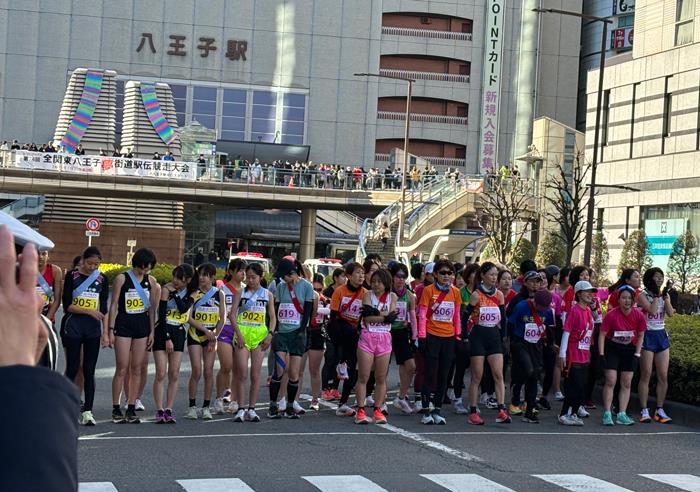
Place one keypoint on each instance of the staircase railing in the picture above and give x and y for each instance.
(26, 206)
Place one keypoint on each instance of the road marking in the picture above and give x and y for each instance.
(544, 433)
(458, 482)
(214, 485)
(691, 483)
(346, 483)
(99, 437)
(582, 483)
(96, 487)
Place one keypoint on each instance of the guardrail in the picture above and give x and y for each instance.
(420, 75)
(437, 161)
(423, 117)
(426, 33)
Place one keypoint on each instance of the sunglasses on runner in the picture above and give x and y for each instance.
(446, 272)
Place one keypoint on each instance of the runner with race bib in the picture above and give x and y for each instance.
(316, 339)
(404, 334)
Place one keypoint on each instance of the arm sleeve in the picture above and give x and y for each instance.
(162, 309)
(183, 304)
(564, 345)
(422, 320)
(457, 322)
(306, 317)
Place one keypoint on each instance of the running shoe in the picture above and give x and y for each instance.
(361, 416)
(559, 396)
(227, 395)
(192, 414)
(589, 405)
(86, 418)
(168, 416)
(282, 405)
(418, 407)
(341, 371)
(337, 395)
(131, 417)
(438, 419)
(661, 417)
(530, 418)
(298, 409)
(544, 403)
(515, 409)
(218, 407)
(607, 418)
(118, 416)
(458, 407)
(232, 407)
(427, 419)
(327, 395)
(273, 412)
(240, 415)
(623, 419)
(206, 414)
(502, 417)
(644, 416)
(345, 411)
(160, 417)
(403, 405)
(369, 401)
(138, 405)
(577, 420)
(252, 416)
(582, 413)
(483, 398)
(384, 409)
(475, 419)
(314, 405)
(492, 403)
(291, 414)
(567, 420)
(379, 417)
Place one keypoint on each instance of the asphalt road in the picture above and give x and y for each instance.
(221, 455)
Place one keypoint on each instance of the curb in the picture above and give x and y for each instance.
(681, 413)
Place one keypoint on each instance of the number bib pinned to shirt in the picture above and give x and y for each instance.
(444, 312)
(585, 342)
(351, 311)
(288, 314)
(45, 299)
(253, 317)
(207, 316)
(133, 304)
(623, 336)
(489, 316)
(533, 332)
(176, 318)
(87, 300)
(402, 310)
(657, 321)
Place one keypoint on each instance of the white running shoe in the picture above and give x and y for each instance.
(298, 409)
(438, 419)
(567, 420)
(219, 406)
(559, 396)
(192, 414)
(582, 413)
(369, 401)
(345, 411)
(341, 371)
(232, 407)
(227, 395)
(384, 409)
(282, 405)
(240, 416)
(86, 418)
(403, 405)
(483, 399)
(418, 406)
(458, 407)
(577, 421)
(427, 419)
(492, 403)
(252, 416)
(206, 414)
(138, 406)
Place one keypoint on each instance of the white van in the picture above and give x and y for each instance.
(251, 257)
(324, 266)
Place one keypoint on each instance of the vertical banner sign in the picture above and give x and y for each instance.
(661, 234)
(491, 85)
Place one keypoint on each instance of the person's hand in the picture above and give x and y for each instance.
(169, 346)
(211, 346)
(104, 341)
(210, 336)
(266, 343)
(149, 342)
(20, 306)
(97, 315)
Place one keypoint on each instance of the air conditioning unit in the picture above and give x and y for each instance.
(426, 20)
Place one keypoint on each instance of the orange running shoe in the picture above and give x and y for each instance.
(475, 419)
(379, 417)
(361, 416)
(503, 417)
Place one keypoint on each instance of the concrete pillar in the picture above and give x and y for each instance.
(307, 237)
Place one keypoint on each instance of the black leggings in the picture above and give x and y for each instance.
(91, 349)
(595, 367)
(574, 388)
(345, 338)
(460, 366)
(549, 360)
(330, 361)
(439, 355)
(525, 370)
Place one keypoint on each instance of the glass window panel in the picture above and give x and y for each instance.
(265, 97)
(205, 93)
(206, 120)
(293, 139)
(294, 100)
(234, 109)
(180, 119)
(263, 137)
(179, 91)
(293, 114)
(263, 126)
(229, 135)
(233, 124)
(204, 107)
(180, 105)
(293, 128)
(235, 95)
(267, 112)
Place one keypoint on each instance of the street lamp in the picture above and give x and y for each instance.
(404, 166)
(596, 137)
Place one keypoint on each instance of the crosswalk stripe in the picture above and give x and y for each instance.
(457, 482)
(582, 483)
(96, 487)
(346, 483)
(214, 485)
(691, 483)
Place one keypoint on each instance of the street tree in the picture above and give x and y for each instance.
(550, 250)
(684, 262)
(505, 215)
(566, 196)
(599, 258)
(522, 250)
(635, 253)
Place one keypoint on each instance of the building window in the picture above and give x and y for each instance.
(464, 69)
(462, 110)
(667, 115)
(204, 106)
(625, 21)
(606, 118)
(685, 10)
(467, 27)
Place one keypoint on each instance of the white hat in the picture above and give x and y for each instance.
(24, 234)
(584, 285)
(429, 267)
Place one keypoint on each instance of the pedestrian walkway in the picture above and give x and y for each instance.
(453, 482)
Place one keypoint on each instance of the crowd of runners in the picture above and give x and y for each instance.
(544, 327)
